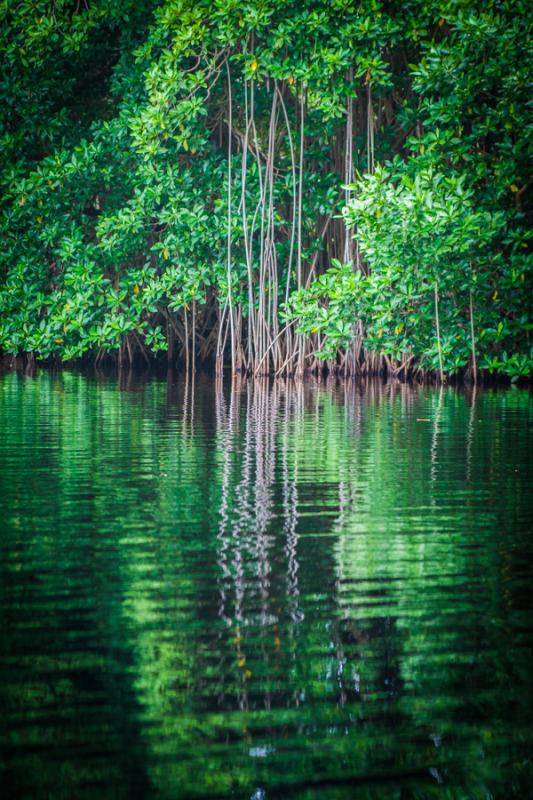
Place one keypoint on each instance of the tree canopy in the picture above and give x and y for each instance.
(268, 184)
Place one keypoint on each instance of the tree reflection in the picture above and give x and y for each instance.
(218, 588)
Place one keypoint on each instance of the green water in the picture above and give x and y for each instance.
(280, 592)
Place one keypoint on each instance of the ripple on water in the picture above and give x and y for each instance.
(288, 591)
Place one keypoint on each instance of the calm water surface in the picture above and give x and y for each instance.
(276, 592)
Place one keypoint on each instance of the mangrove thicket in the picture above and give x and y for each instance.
(269, 186)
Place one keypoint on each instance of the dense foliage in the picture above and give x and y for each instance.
(175, 174)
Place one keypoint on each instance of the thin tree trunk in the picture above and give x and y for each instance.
(186, 324)
(247, 242)
(293, 225)
(472, 339)
(229, 225)
(370, 130)
(437, 323)
(299, 344)
(348, 170)
(193, 343)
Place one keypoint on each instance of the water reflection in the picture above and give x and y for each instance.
(254, 469)
(263, 590)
